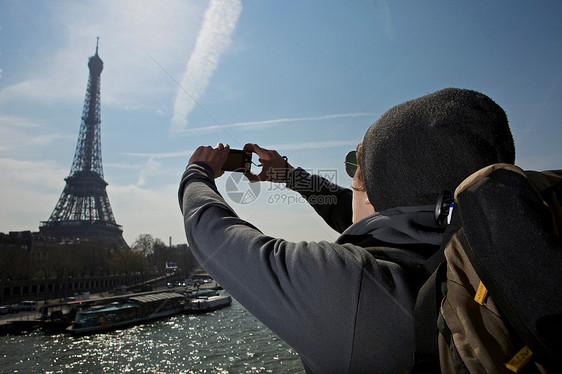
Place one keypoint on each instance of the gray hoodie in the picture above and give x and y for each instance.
(345, 307)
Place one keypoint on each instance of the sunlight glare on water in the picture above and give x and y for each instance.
(229, 340)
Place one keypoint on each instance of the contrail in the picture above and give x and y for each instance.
(214, 39)
(270, 122)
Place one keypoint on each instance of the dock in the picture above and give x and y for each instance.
(55, 316)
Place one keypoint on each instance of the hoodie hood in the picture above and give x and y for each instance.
(400, 234)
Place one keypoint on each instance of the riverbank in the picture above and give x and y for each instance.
(14, 291)
(24, 321)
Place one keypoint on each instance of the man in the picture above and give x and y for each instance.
(347, 307)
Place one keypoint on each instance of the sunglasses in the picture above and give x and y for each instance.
(351, 163)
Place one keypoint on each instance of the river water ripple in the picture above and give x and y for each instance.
(229, 340)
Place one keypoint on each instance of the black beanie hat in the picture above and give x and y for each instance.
(424, 146)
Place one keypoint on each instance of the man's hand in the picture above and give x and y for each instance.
(214, 157)
(275, 168)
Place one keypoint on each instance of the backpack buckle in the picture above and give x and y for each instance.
(444, 207)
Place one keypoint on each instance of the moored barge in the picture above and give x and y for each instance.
(208, 304)
(132, 311)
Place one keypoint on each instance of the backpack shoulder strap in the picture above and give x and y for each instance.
(428, 301)
(549, 185)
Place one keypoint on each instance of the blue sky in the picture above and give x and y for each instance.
(304, 77)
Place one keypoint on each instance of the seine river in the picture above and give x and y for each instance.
(229, 340)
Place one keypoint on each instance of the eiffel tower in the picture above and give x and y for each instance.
(83, 211)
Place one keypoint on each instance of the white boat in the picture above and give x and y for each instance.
(132, 311)
(208, 304)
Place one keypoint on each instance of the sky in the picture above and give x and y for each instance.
(306, 78)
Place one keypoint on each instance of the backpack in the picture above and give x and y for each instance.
(493, 302)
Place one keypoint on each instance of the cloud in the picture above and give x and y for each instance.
(214, 39)
(313, 145)
(130, 31)
(156, 156)
(147, 211)
(0, 55)
(17, 133)
(383, 14)
(17, 122)
(153, 169)
(152, 157)
(30, 190)
(267, 123)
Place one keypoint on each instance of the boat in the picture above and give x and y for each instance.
(128, 312)
(208, 304)
(202, 292)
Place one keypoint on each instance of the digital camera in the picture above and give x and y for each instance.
(238, 160)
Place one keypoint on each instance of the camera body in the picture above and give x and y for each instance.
(238, 160)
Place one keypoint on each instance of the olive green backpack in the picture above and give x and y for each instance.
(493, 303)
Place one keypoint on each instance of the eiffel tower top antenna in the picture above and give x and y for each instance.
(97, 44)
